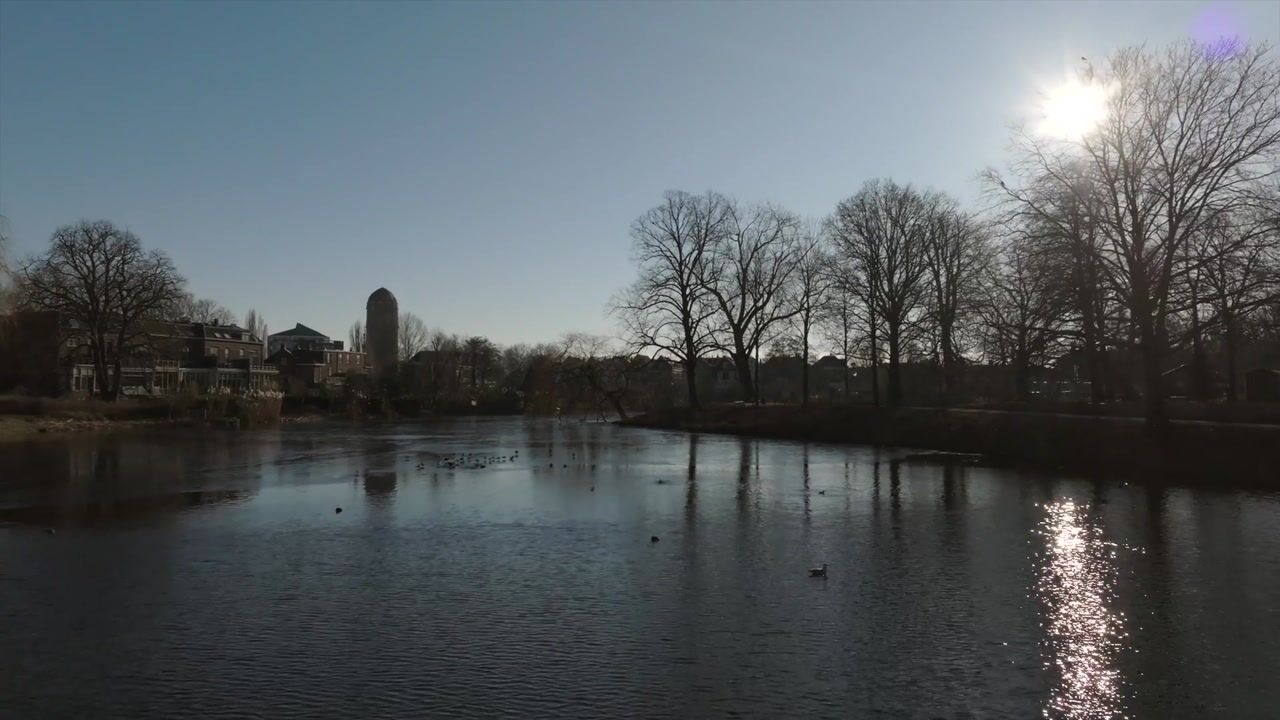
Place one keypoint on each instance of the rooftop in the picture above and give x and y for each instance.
(300, 330)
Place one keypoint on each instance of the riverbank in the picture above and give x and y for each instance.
(24, 417)
(19, 428)
(1208, 452)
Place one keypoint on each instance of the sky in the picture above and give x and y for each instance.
(484, 162)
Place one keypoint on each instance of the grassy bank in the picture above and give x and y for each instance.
(80, 408)
(23, 417)
(1203, 451)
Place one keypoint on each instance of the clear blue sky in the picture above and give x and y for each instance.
(484, 161)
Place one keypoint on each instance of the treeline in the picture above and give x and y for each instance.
(1156, 232)
(101, 277)
(581, 374)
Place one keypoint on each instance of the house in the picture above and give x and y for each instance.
(307, 370)
(32, 345)
(718, 379)
(300, 337)
(48, 353)
(1262, 385)
(432, 372)
(828, 376)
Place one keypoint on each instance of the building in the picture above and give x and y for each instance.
(1262, 385)
(382, 332)
(300, 337)
(48, 353)
(308, 371)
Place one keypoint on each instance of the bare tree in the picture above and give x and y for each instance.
(413, 336)
(355, 336)
(668, 309)
(809, 292)
(1190, 133)
(880, 238)
(7, 290)
(1239, 265)
(481, 357)
(443, 365)
(203, 310)
(1058, 213)
(1022, 311)
(955, 255)
(600, 366)
(745, 276)
(841, 320)
(257, 326)
(99, 276)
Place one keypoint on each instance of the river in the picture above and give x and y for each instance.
(184, 574)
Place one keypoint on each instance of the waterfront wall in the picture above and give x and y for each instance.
(1225, 453)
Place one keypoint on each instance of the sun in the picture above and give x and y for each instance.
(1073, 109)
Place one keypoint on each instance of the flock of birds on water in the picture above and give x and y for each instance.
(478, 461)
(472, 461)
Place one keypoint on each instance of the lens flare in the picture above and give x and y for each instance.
(1073, 109)
(1075, 583)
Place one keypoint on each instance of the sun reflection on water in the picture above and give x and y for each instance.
(1075, 583)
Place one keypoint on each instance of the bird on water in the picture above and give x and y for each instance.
(818, 572)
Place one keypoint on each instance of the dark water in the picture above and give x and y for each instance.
(209, 576)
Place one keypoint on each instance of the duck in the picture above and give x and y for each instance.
(337, 510)
(653, 538)
(819, 571)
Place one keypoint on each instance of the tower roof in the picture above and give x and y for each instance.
(381, 295)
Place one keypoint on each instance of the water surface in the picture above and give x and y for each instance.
(208, 575)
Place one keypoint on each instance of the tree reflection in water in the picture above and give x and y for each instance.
(1075, 583)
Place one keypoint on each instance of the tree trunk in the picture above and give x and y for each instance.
(1199, 364)
(875, 356)
(804, 376)
(1153, 385)
(1085, 296)
(948, 364)
(691, 382)
(1021, 380)
(1022, 369)
(895, 365)
(1093, 363)
(742, 363)
(98, 349)
(617, 406)
(117, 372)
(845, 349)
(1231, 346)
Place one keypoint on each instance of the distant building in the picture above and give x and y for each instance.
(382, 331)
(300, 337)
(718, 379)
(306, 371)
(47, 353)
(1262, 385)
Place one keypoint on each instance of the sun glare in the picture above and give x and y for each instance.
(1072, 109)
